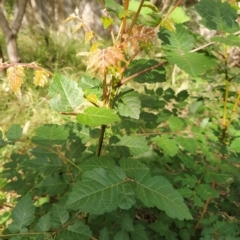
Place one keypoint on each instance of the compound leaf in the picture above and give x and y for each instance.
(230, 40)
(65, 94)
(218, 15)
(94, 116)
(158, 192)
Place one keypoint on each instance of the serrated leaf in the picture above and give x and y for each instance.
(65, 94)
(169, 146)
(46, 165)
(15, 77)
(176, 123)
(177, 42)
(59, 216)
(132, 166)
(139, 233)
(126, 222)
(127, 196)
(40, 77)
(230, 40)
(50, 134)
(153, 76)
(235, 145)
(158, 192)
(88, 82)
(22, 214)
(205, 191)
(218, 15)
(192, 63)
(14, 132)
(107, 21)
(136, 145)
(94, 116)
(129, 105)
(100, 60)
(189, 144)
(98, 192)
(104, 234)
(53, 185)
(96, 162)
(121, 235)
(78, 231)
(44, 223)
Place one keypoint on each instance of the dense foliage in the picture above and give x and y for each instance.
(141, 159)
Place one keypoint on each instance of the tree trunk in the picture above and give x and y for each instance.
(10, 33)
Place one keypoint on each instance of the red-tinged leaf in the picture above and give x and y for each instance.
(100, 60)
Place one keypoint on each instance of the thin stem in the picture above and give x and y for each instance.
(205, 207)
(124, 80)
(224, 121)
(100, 141)
(135, 17)
(234, 109)
(124, 21)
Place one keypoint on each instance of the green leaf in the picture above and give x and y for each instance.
(139, 233)
(121, 235)
(189, 144)
(88, 82)
(65, 94)
(169, 146)
(50, 135)
(158, 192)
(176, 123)
(2, 142)
(230, 40)
(98, 192)
(104, 234)
(129, 105)
(14, 132)
(131, 167)
(94, 116)
(234, 146)
(192, 63)
(163, 229)
(179, 15)
(136, 145)
(113, 6)
(59, 216)
(22, 214)
(127, 196)
(78, 231)
(45, 165)
(218, 15)
(126, 222)
(107, 21)
(205, 191)
(53, 185)
(178, 42)
(97, 162)
(156, 75)
(44, 223)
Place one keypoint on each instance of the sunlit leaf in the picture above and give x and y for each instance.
(107, 21)
(88, 36)
(15, 77)
(169, 24)
(14, 133)
(93, 116)
(65, 94)
(40, 77)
